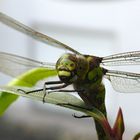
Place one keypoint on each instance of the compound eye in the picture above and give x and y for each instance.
(80, 67)
(72, 66)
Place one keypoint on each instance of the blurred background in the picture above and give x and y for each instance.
(95, 27)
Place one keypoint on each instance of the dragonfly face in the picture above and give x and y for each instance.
(71, 67)
(66, 68)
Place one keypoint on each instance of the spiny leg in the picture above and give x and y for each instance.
(69, 104)
(80, 117)
(65, 91)
(37, 90)
(52, 88)
(44, 89)
(46, 83)
(75, 116)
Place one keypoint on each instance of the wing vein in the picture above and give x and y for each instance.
(128, 58)
(32, 33)
(124, 81)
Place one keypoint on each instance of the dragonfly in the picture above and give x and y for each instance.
(84, 72)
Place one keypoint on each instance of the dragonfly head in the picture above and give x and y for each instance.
(66, 68)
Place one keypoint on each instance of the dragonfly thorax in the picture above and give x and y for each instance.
(71, 66)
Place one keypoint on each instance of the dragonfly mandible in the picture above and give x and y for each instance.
(84, 72)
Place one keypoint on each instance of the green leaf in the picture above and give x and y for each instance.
(5, 101)
(28, 79)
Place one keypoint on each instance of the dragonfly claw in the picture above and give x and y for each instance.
(44, 98)
(21, 90)
(80, 117)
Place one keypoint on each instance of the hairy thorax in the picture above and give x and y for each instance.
(90, 86)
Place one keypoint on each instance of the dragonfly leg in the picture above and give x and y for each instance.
(72, 105)
(52, 88)
(75, 116)
(28, 92)
(65, 91)
(80, 117)
(21, 90)
(45, 88)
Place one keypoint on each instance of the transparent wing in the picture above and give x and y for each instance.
(124, 81)
(32, 33)
(128, 58)
(14, 65)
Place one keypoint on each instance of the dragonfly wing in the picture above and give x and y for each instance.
(32, 33)
(124, 81)
(128, 58)
(14, 65)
